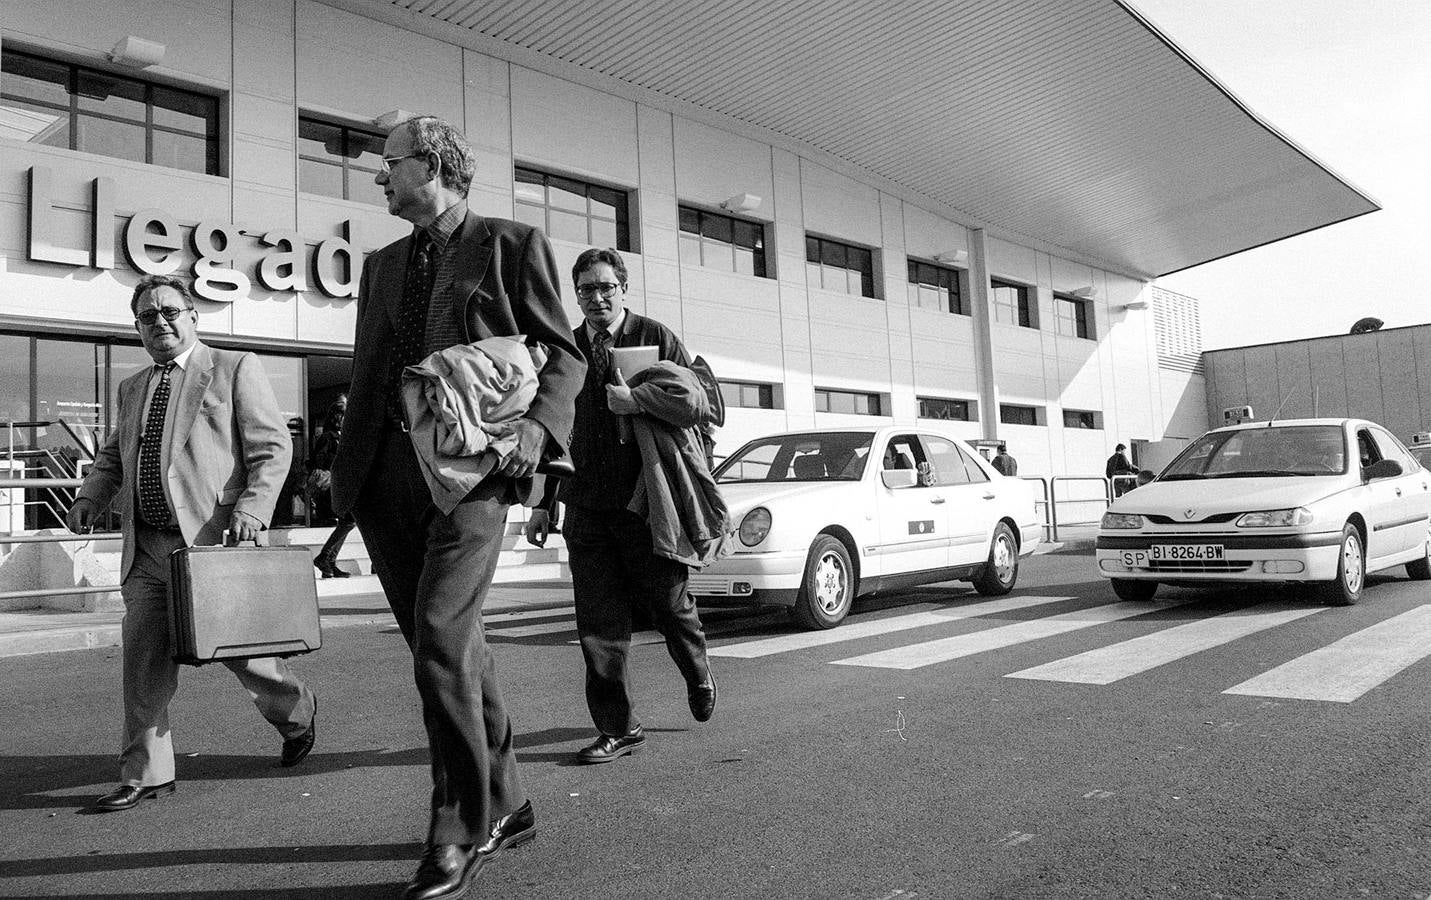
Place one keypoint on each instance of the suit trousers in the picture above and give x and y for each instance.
(151, 676)
(613, 568)
(435, 570)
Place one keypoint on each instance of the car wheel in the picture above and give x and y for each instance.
(1420, 569)
(1131, 589)
(829, 586)
(1345, 589)
(1002, 570)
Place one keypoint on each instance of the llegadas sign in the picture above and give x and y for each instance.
(152, 242)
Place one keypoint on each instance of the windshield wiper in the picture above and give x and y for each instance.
(1183, 476)
(1257, 473)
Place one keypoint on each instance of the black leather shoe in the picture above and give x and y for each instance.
(295, 749)
(127, 796)
(329, 567)
(511, 830)
(702, 698)
(609, 746)
(445, 873)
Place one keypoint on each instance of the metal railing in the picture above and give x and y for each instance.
(51, 484)
(1047, 506)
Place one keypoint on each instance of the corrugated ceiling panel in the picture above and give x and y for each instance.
(1068, 121)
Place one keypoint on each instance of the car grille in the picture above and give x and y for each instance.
(709, 585)
(1199, 565)
(1211, 520)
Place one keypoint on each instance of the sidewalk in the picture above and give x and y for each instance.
(341, 602)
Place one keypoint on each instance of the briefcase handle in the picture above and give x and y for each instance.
(260, 541)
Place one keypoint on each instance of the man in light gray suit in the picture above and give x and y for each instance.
(200, 447)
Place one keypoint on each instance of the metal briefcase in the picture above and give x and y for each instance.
(242, 602)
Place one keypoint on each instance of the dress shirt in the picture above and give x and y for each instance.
(443, 330)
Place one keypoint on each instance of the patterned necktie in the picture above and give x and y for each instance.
(153, 508)
(412, 320)
(601, 354)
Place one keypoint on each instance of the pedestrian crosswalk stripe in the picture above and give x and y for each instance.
(526, 615)
(852, 631)
(916, 656)
(1343, 671)
(533, 630)
(1108, 664)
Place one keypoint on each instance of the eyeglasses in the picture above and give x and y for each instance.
(386, 164)
(170, 314)
(605, 288)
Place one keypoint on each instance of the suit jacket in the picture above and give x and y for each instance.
(229, 449)
(505, 284)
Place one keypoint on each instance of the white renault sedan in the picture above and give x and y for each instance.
(829, 515)
(1317, 501)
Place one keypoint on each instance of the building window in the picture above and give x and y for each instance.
(748, 394)
(833, 266)
(1011, 303)
(722, 242)
(571, 210)
(1082, 418)
(77, 108)
(935, 287)
(853, 402)
(339, 161)
(1073, 317)
(944, 408)
(1012, 414)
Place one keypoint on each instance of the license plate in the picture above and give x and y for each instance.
(1173, 553)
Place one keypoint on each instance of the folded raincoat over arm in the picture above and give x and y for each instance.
(461, 404)
(677, 495)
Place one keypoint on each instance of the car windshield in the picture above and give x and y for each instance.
(1292, 450)
(1422, 455)
(824, 456)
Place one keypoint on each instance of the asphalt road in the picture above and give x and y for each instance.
(825, 773)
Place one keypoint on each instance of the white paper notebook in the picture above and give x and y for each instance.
(631, 360)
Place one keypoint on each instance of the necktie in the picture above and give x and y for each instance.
(412, 320)
(152, 506)
(601, 354)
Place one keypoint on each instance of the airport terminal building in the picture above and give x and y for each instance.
(948, 213)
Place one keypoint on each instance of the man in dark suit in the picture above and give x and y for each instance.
(456, 279)
(614, 568)
(201, 447)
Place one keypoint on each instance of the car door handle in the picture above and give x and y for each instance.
(1398, 492)
(990, 496)
(936, 499)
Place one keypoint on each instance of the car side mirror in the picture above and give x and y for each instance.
(1382, 468)
(1145, 476)
(899, 478)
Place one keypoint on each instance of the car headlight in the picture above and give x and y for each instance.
(1121, 520)
(755, 526)
(1275, 518)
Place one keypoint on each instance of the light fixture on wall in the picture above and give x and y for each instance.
(392, 118)
(951, 257)
(1135, 304)
(136, 52)
(741, 203)
(1087, 292)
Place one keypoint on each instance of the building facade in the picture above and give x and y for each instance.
(236, 141)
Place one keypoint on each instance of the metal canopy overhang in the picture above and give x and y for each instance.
(1074, 125)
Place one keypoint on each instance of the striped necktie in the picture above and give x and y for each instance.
(152, 506)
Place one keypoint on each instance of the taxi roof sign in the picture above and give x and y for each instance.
(1236, 415)
(1421, 437)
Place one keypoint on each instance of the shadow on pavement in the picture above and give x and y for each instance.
(386, 890)
(159, 859)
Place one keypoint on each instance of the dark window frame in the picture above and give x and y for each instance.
(834, 254)
(741, 237)
(343, 160)
(736, 393)
(1025, 312)
(1081, 320)
(945, 278)
(621, 220)
(212, 136)
(1013, 414)
(927, 405)
(873, 401)
(1083, 419)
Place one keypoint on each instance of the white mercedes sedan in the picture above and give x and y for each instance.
(1316, 501)
(830, 515)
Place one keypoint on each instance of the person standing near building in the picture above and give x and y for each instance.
(457, 278)
(1118, 465)
(615, 569)
(1004, 462)
(200, 447)
(320, 490)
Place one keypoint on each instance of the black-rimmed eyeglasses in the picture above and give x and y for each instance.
(170, 314)
(605, 288)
